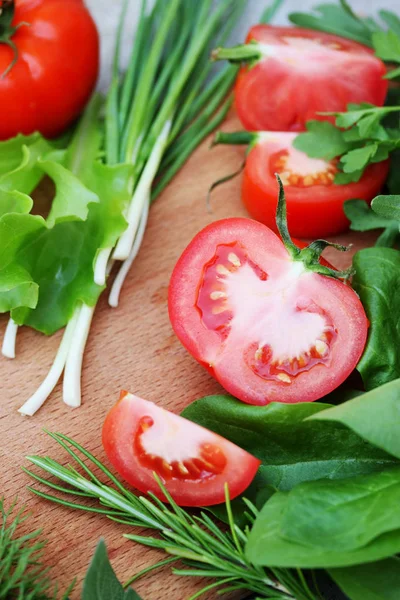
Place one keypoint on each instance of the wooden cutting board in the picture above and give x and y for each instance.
(132, 347)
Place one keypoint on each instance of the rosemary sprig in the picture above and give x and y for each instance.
(22, 574)
(195, 539)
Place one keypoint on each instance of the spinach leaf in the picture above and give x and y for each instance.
(377, 282)
(343, 515)
(267, 547)
(374, 581)
(292, 450)
(374, 416)
(101, 583)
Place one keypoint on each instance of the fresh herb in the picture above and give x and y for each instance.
(377, 281)
(279, 436)
(340, 19)
(22, 574)
(358, 138)
(387, 47)
(24, 577)
(204, 548)
(364, 218)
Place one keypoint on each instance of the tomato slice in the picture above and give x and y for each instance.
(263, 325)
(194, 464)
(314, 201)
(304, 72)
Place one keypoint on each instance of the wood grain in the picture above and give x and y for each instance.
(131, 347)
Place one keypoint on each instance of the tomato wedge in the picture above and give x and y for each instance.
(194, 464)
(264, 325)
(314, 201)
(295, 73)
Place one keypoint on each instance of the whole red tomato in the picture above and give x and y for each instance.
(49, 75)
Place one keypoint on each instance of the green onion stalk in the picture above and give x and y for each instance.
(169, 99)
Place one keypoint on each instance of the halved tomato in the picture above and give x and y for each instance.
(301, 72)
(314, 201)
(141, 439)
(265, 325)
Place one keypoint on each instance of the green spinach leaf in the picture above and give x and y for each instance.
(374, 416)
(267, 547)
(343, 515)
(291, 449)
(374, 581)
(377, 281)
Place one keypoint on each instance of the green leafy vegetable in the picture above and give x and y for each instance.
(101, 583)
(377, 281)
(322, 140)
(374, 416)
(374, 581)
(343, 515)
(341, 20)
(364, 218)
(363, 141)
(387, 47)
(291, 449)
(266, 544)
(387, 207)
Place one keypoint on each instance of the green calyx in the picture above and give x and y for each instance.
(309, 256)
(243, 53)
(7, 31)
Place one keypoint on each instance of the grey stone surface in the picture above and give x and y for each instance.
(106, 14)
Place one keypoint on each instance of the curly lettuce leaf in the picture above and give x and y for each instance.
(60, 258)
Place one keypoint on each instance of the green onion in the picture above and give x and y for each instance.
(156, 113)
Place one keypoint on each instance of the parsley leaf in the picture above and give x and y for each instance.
(322, 140)
(357, 160)
(387, 47)
(364, 218)
(358, 138)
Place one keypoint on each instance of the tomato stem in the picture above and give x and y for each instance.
(7, 10)
(310, 255)
(248, 53)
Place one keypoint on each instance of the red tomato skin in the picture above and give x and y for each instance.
(119, 430)
(272, 96)
(56, 71)
(312, 212)
(231, 372)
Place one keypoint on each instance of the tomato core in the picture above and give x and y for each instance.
(319, 172)
(208, 462)
(229, 278)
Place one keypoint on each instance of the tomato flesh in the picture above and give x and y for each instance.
(265, 327)
(194, 464)
(302, 73)
(314, 201)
